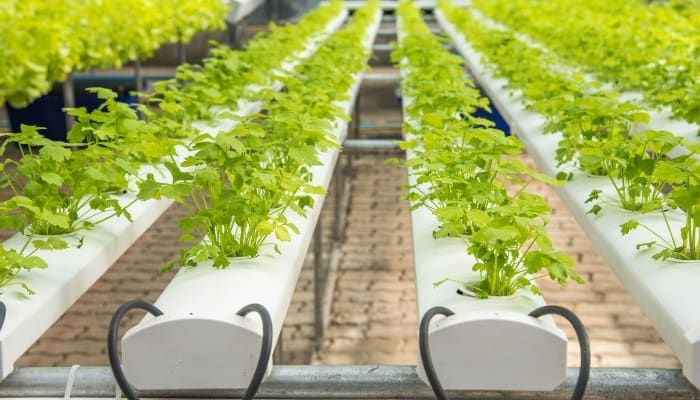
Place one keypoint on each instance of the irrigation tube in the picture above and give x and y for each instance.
(355, 382)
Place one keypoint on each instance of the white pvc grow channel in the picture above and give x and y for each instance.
(72, 271)
(489, 344)
(666, 291)
(200, 342)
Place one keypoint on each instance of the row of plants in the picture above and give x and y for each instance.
(66, 188)
(600, 133)
(204, 91)
(240, 185)
(43, 41)
(467, 173)
(640, 47)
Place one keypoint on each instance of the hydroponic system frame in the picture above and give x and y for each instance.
(216, 347)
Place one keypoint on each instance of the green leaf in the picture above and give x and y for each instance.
(265, 228)
(629, 226)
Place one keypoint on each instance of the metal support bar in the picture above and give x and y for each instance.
(339, 190)
(356, 118)
(69, 99)
(381, 77)
(181, 52)
(382, 47)
(356, 382)
(138, 76)
(318, 285)
(370, 144)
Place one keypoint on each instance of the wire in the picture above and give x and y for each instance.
(424, 348)
(585, 366)
(120, 377)
(112, 334)
(265, 347)
(584, 369)
(71, 379)
(3, 314)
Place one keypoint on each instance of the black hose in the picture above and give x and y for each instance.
(585, 367)
(120, 377)
(3, 314)
(112, 334)
(265, 347)
(424, 348)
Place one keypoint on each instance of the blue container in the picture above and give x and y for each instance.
(494, 115)
(47, 111)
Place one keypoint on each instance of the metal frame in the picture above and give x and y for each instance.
(353, 382)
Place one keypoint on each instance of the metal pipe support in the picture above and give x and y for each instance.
(355, 382)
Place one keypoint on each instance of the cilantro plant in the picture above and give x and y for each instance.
(115, 127)
(13, 261)
(634, 166)
(58, 190)
(635, 46)
(683, 175)
(466, 172)
(44, 41)
(240, 185)
(198, 92)
(596, 125)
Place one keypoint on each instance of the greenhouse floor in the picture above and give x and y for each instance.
(373, 316)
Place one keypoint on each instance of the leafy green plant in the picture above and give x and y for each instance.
(596, 125)
(44, 41)
(634, 166)
(13, 261)
(635, 46)
(241, 184)
(684, 176)
(115, 127)
(224, 79)
(514, 245)
(465, 171)
(57, 190)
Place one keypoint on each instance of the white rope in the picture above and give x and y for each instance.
(71, 380)
(117, 391)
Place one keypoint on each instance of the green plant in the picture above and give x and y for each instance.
(229, 76)
(115, 127)
(633, 165)
(683, 174)
(466, 172)
(44, 41)
(241, 184)
(57, 190)
(13, 261)
(632, 45)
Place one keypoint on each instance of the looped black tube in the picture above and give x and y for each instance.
(112, 334)
(265, 347)
(424, 348)
(582, 335)
(3, 314)
(120, 377)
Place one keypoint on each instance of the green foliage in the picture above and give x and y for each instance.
(240, 185)
(114, 127)
(602, 134)
(683, 175)
(466, 172)
(635, 46)
(59, 190)
(200, 92)
(43, 41)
